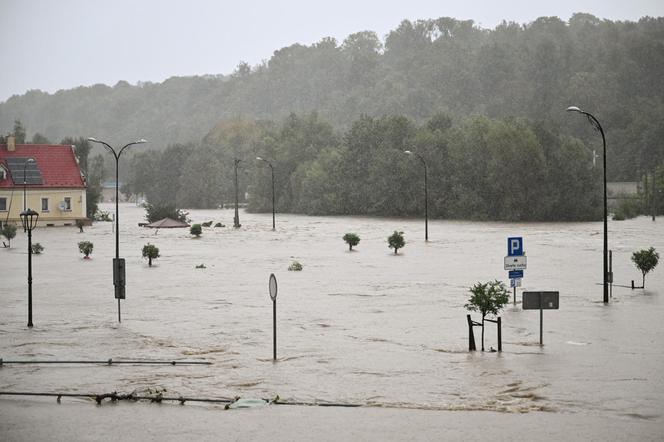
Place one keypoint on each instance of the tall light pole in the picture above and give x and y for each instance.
(29, 220)
(593, 121)
(118, 264)
(236, 218)
(426, 196)
(25, 182)
(271, 170)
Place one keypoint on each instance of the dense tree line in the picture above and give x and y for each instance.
(479, 168)
(419, 69)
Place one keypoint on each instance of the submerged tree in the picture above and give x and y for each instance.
(150, 251)
(196, 230)
(645, 261)
(351, 239)
(396, 241)
(487, 298)
(9, 232)
(85, 247)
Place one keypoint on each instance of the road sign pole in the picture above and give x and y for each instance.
(541, 317)
(274, 328)
(514, 294)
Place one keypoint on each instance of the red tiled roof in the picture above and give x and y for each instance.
(57, 163)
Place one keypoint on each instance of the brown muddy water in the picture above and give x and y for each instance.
(364, 327)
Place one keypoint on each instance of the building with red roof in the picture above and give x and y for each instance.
(50, 178)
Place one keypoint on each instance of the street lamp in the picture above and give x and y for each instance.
(593, 121)
(236, 218)
(25, 182)
(271, 170)
(29, 220)
(118, 264)
(426, 197)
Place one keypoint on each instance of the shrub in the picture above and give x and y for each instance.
(627, 209)
(207, 224)
(396, 241)
(100, 215)
(351, 239)
(295, 266)
(150, 251)
(219, 225)
(85, 247)
(155, 212)
(9, 232)
(196, 230)
(487, 298)
(37, 248)
(645, 261)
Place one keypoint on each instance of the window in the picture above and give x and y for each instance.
(67, 203)
(3, 204)
(44, 204)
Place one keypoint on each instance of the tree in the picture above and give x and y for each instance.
(395, 241)
(85, 247)
(487, 298)
(150, 251)
(37, 248)
(196, 230)
(9, 232)
(351, 239)
(155, 212)
(645, 261)
(19, 132)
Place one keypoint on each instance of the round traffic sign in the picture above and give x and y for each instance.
(273, 286)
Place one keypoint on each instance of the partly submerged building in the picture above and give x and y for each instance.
(51, 179)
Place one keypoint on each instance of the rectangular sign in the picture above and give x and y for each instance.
(515, 246)
(515, 282)
(514, 274)
(531, 300)
(515, 262)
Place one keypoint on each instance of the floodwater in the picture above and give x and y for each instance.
(363, 327)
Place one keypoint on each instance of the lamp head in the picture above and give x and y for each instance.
(573, 109)
(94, 140)
(407, 152)
(29, 219)
(259, 158)
(141, 141)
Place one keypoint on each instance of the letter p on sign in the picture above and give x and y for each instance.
(515, 246)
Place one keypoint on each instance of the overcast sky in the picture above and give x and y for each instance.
(60, 44)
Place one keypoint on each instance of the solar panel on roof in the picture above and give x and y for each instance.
(22, 170)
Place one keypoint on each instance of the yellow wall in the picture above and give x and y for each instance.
(34, 201)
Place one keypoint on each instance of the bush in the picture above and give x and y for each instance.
(396, 241)
(37, 248)
(9, 232)
(100, 215)
(150, 251)
(196, 230)
(155, 212)
(85, 247)
(627, 209)
(295, 266)
(351, 239)
(219, 225)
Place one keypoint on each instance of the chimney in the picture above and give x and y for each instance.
(11, 143)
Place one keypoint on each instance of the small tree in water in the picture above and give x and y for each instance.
(395, 241)
(645, 261)
(196, 230)
(487, 298)
(85, 247)
(351, 239)
(150, 251)
(9, 232)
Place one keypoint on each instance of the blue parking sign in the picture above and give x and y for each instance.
(515, 246)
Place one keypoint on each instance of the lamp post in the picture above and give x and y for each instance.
(593, 121)
(25, 182)
(29, 220)
(236, 218)
(426, 196)
(272, 171)
(118, 264)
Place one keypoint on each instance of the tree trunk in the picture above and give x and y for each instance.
(149, 261)
(643, 282)
(395, 250)
(350, 247)
(482, 332)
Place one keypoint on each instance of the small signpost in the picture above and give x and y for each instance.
(273, 295)
(515, 262)
(540, 301)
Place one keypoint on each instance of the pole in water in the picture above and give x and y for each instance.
(272, 284)
(541, 317)
(514, 293)
(119, 315)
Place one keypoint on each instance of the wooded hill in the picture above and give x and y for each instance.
(534, 71)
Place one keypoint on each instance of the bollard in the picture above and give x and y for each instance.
(632, 284)
(471, 335)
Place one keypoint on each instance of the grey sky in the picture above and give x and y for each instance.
(60, 44)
